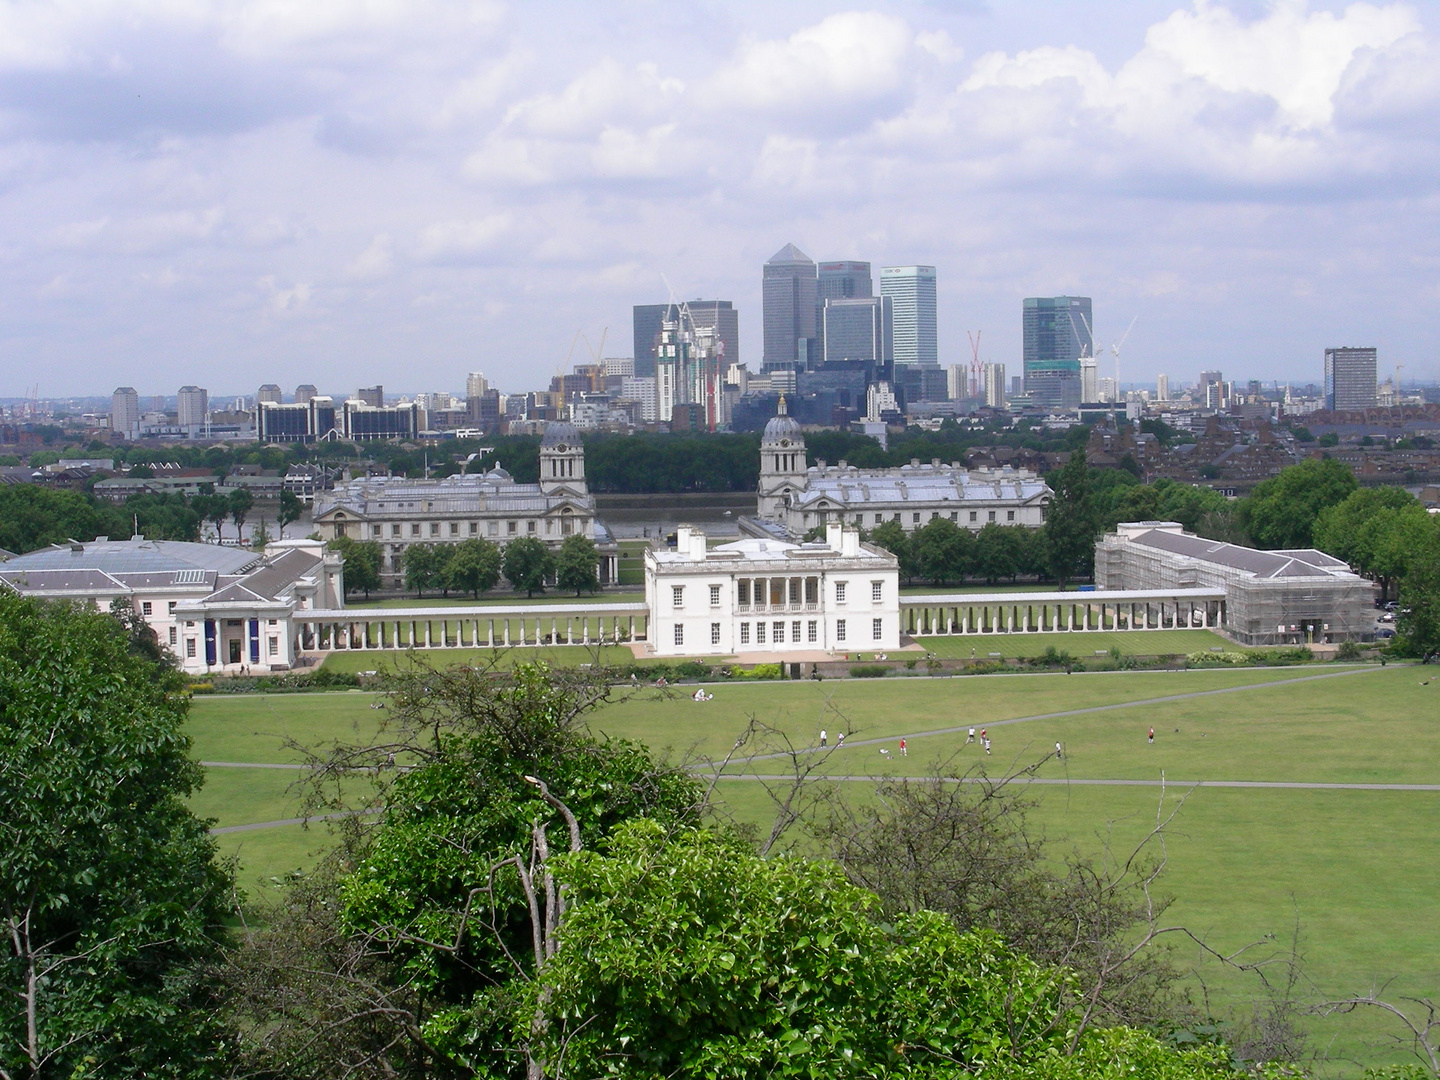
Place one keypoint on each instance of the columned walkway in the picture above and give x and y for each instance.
(470, 627)
(1061, 612)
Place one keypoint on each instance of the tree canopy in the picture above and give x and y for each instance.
(527, 562)
(576, 565)
(1281, 512)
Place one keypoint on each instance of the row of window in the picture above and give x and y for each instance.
(512, 528)
(777, 592)
(777, 632)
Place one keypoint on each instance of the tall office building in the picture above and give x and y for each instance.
(957, 381)
(838, 281)
(912, 292)
(1350, 378)
(192, 407)
(125, 412)
(373, 396)
(1162, 387)
(788, 291)
(1057, 333)
(476, 384)
(720, 316)
(305, 392)
(648, 318)
(995, 385)
(861, 329)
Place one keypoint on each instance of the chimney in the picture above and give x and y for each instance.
(850, 543)
(682, 539)
(833, 530)
(697, 546)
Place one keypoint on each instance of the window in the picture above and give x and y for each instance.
(190, 647)
(174, 635)
(954, 515)
(146, 608)
(511, 528)
(895, 516)
(744, 633)
(812, 591)
(742, 592)
(795, 631)
(434, 528)
(777, 633)
(1009, 515)
(274, 645)
(714, 633)
(454, 528)
(877, 628)
(530, 527)
(395, 530)
(973, 516)
(915, 519)
(934, 514)
(714, 595)
(879, 518)
(677, 595)
(377, 530)
(839, 592)
(474, 528)
(877, 591)
(839, 629)
(415, 529)
(759, 633)
(679, 634)
(992, 515)
(812, 631)
(794, 590)
(170, 608)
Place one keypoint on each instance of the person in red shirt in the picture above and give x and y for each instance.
(903, 752)
(1152, 736)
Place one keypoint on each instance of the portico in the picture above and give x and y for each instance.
(1062, 612)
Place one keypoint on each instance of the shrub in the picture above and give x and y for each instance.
(1227, 657)
(1349, 650)
(760, 671)
(868, 671)
(692, 669)
(1053, 658)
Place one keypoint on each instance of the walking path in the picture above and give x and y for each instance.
(1057, 781)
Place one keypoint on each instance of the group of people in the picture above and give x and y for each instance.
(984, 738)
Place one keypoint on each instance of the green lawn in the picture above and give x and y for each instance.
(1083, 645)
(1356, 867)
(555, 655)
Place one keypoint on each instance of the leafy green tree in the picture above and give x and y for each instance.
(891, 536)
(240, 501)
(33, 517)
(427, 566)
(362, 563)
(1417, 629)
(998, 552)
(475, 566)
(577, 565)
(290, 510)
(110, 898)
(217, 512)
(943, 551)
(1378, 531)
(527, 563)
(1071, 525)
(1281, 512)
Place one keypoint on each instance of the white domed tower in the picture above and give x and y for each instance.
(782, 464)
(562, 460)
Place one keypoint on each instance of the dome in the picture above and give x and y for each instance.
(559, 433)
(782, 425)
(497, 474)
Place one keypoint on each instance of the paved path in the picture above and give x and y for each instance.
(287, 821)
(1082, 712)
(247, 765)
(1058, 781)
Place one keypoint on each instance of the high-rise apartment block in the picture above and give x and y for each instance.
(1350, 378)
(995, 385)
(476, 384)
(1162, 387)
(371, 395)
(269, 392)
(304, 392)
(1057, 333)
(125, 412)
(911, 290)
(789, 289)
(860, 329)
(192, 407)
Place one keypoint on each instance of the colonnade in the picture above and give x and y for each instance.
(459, 628)
(761, 594)
(1044, 613)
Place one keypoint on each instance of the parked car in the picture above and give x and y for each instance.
(1388, 617)
(1385, 633)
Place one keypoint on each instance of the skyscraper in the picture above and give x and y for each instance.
(269, 392)
(371, 395)
(860, 329)
(1057, 332)
(192, 407)
(125, 412)
(995, 385)
(1162, 387)
(912, 292)
(1350, 378)
(725, 320)
(788, 292)
(475, 385)
(304, 392)
(838, 281)
(648, 318)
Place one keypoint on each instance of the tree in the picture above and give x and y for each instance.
(240, 501)
(1417, 628)
(999, 550)
(1070, 523)
(1281, 512)
(33, 517)
(110, 898)
(576, 566)
(943, 552)
(1375, 530)
(475, 566)
(891, 536)
(362, 563)
(527, 563)
(426, 567)
(217, 512)
(290, 510)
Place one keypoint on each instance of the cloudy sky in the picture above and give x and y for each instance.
(350, 191)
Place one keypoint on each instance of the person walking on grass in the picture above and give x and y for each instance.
(987, 744)
(1059, 752)
(823, 739)
(971, 737)
(903, 751)
(839, 740)
(1152, 736)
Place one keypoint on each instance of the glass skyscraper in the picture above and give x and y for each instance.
(860, 329)
(911, 290)
(788, 293)
(1057, 332)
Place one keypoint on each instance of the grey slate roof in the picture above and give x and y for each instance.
(137, 557)
(1263, 564)
(268, 582)
(467, 493)
(920, 484)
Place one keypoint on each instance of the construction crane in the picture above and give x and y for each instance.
(977, 382)
(1115, 349)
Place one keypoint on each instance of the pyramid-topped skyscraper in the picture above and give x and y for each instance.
(789, 299)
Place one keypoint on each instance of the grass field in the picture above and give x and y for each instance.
(1357, 868)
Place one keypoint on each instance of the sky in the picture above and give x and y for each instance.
(344, 192)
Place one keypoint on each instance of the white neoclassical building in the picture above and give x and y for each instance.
(770, 596)
(396, 512)
(802, 497)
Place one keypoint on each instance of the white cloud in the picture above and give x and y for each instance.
(462, 240)
(375, 262)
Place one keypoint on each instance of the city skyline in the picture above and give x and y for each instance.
(198, 192)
